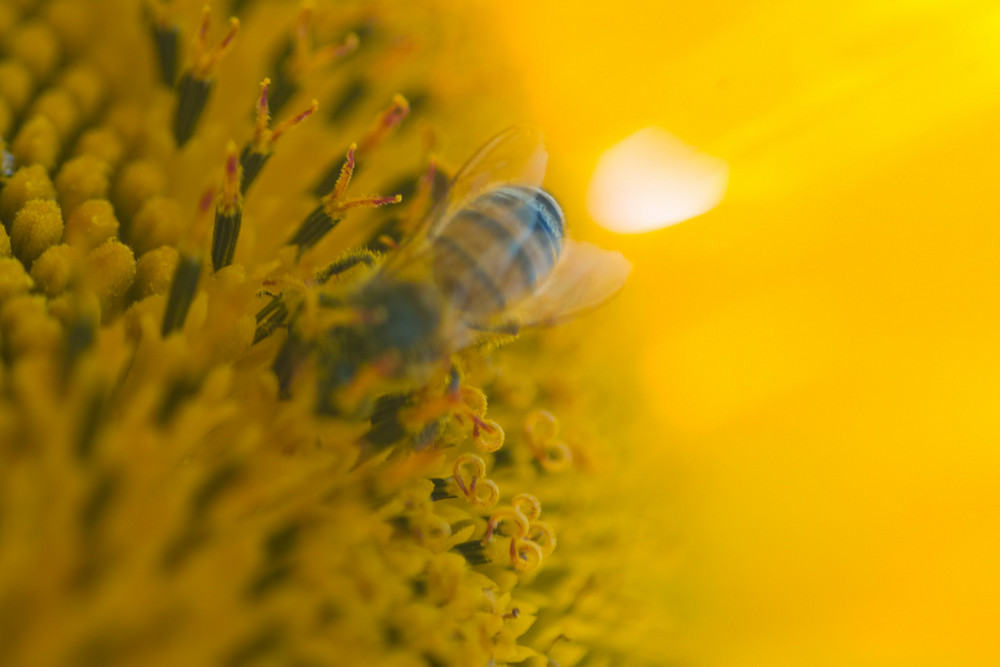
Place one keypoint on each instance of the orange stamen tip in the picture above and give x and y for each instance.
(206, 17)
(288, 124)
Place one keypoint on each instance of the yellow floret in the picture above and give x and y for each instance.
(55, 267)
(27, 326)
(155, 271)
(13, 278)
(137, 182)
(87, 87)
(36, 226)
(16, 84)
(37, 142)
(73, 21)
(158, 222)
(60, 107)
(27, 183)
(110, 269)
(82, 178)
(36, 46)
(102, 142)
(91, 223)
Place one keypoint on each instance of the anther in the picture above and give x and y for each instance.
(385, 122)
(182, 291)
(166, 37)
(195, 85)
(258, 150)
(228, 212)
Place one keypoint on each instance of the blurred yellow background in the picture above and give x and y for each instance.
(819, 354)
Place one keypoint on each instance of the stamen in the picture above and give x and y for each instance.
(257, 151)
(384, 123)
(331, 210)
(166, 37)
(299, 58)
(195, 85)
(528, 505)
(228, 212)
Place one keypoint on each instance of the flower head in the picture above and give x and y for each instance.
(203, 457)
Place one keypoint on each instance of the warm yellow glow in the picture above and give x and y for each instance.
(651, 180)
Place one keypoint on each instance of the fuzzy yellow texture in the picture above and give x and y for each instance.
(160, 504)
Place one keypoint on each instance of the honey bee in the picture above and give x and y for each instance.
(490, 256)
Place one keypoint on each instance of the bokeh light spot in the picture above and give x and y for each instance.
(652, 179)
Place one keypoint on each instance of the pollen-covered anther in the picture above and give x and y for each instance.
(195, 85)
(228, 212)
(333, 206)
(258, 150)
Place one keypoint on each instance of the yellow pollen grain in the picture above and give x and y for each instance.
(37, 225)
(55, 267)
(154, 271)
(27, 326)
(16, 84)
(91, 223)
(37, 46)
(102, 142)
(4, 243)
(110, 270)
(37, 142)
(82, 178)
(158, 222)
(13, 278)
(60, 107)
(137, 182)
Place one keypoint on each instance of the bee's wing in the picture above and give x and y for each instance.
(514, 156)
(585, 277)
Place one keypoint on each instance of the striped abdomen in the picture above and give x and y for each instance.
(495, 250)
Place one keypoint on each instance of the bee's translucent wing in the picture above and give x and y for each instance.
(515, 156)
(585, 277)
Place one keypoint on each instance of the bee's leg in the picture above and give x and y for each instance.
(495, 333)
(345, 263)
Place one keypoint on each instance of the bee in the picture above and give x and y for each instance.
(491, 256)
